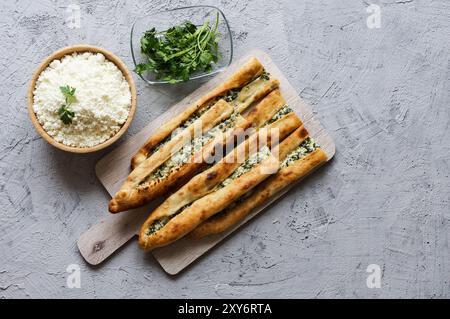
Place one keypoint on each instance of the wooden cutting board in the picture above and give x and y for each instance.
(103, 239)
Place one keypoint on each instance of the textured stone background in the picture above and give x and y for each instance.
(383, 94)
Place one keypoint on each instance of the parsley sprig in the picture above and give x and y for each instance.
(175, 54)
(65, 114)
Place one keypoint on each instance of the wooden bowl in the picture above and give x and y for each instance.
(58, 55)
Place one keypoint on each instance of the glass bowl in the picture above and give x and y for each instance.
(163, 20)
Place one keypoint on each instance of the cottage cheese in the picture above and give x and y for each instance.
(103, 99)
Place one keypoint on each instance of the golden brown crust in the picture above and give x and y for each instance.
(249, 94)
(245, 74)
(290, 143)
(131, 195)
(254, 92)
(204, 182)
(184, 173)
(205, 207)
(284, 126)
(259, 115)
(265, 109)
(286, 176)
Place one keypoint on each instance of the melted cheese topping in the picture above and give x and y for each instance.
(301, 151)
(254, 159)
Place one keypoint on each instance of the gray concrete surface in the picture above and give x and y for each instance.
(383, 94)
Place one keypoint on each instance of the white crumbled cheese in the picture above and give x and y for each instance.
(103, 99)
(253, 160)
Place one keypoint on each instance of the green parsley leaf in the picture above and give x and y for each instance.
(64, 113)
(177, 53)
(69, 94)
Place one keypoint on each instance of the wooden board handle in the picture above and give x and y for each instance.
(102, 240)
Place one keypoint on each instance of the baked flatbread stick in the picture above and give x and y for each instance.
(265, 109)
(299, 155)
(134, 192)
(204, 182)
(177, 161)
(249, 94)
(182, 167)
(251, 70)
(220, 175)
(161, 229)
(264, 113)
(254, 92)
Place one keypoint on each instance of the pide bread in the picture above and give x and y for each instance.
(161, 166)
(298, 155)
(243, 160)
(218, 160)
